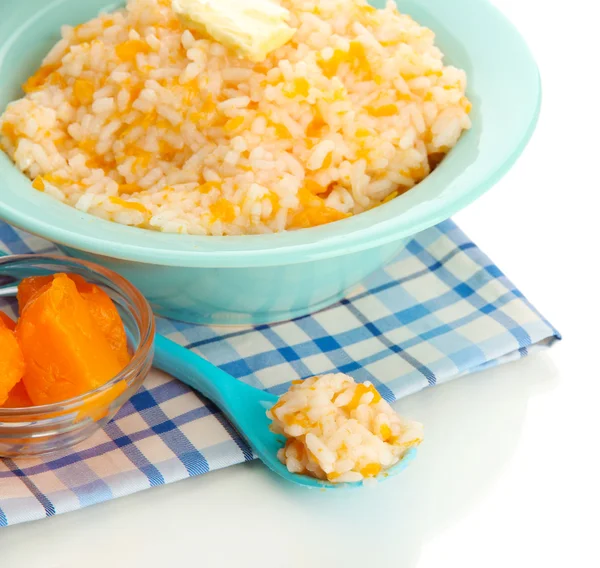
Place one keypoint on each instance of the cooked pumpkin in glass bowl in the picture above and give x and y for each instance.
(80, 347)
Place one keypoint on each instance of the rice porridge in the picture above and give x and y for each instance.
(134, 118)
(339, 430)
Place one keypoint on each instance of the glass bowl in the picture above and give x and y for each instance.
(38, 430)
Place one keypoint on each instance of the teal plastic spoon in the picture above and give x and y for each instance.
(245, 407)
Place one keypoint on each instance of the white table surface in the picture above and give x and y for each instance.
(507, 475)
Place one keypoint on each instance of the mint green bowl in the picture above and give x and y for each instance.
(257, 279)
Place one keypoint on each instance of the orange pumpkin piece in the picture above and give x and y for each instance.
(66, 354)
(315, 216)
(101, 308)
(105, 315)
(18, 397)
(97, 408)
(7, 321)
(29, 287)
(128, 50)
(12, 364)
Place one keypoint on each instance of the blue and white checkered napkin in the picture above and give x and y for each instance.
(438, 311)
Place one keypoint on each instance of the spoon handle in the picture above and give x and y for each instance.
(196, 372)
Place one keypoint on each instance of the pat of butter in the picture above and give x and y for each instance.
(253, 28)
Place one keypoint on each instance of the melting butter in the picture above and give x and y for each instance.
(253, 28)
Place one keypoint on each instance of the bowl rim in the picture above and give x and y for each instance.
(140, 357)
(400, 218)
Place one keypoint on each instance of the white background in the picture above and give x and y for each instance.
(508, 474)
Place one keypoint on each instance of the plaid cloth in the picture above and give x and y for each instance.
(440, 310)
